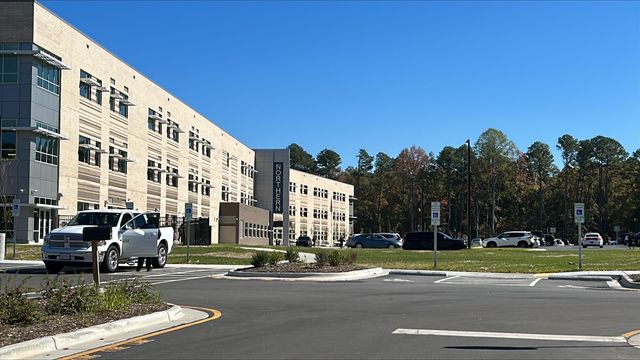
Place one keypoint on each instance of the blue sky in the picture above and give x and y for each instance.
(385, 75)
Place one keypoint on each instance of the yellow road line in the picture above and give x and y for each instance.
(214, 315)
(631, 333)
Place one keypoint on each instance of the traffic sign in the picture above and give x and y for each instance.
(15, 207)
(578, 212)
(552, 230)
(188, 211)
(435, 213)
(616, 228)
(129, 205)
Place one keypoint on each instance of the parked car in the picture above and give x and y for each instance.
(130, 231)
(424, 241)
(592, 239)
(549, 240)
(558, 242)
(392, 236)
(612, 242)
(373, 241)
(304, 240)
(521, 239)
(539, 236)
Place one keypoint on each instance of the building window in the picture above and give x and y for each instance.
(292, 187)
(225, 193)
(8, 139)
(153, 171)
(87, 83)
(84, 151)
(154, 122)
(304, 189)
(193, 183)
(47, 150)
(48, 77)
(172, 176)
(9, 65)
(193, 141)
(206, 148)
(122, 98)
(292, 210)
(118, 163)
(173, 131)
(226, 157)
(304, 212)
(82, 206)
(206, 188)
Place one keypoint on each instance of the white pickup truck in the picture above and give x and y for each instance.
(134, 234)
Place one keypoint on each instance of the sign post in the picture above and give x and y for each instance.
(617, 230)
(435, 221)
(188, 214)
(578, 212)
(15, 210)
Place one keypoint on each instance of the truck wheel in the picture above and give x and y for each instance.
(523, 244)
(492, 245)
(160, 261)
(111, 258)
(52, 267)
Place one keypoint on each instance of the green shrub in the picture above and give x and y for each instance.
(15, 309)
(121, 294)
(292, 255)
(335, 258)
(260, 258)
(61, 298)
(322, 257)
(275, 257)
(351, 257)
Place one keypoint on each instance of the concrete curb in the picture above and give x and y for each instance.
(417, 272)
(306, 258)
(634, 341)
(35, 347)
(580, 278)
(344, 276)
(459, 273)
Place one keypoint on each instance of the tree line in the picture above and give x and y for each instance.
(510, 189)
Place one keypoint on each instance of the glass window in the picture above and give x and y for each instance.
(48, 77)
(9, 139)
(8, 69)
(47, 150)
(84, 154)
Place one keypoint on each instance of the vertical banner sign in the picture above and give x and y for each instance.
(188, 211)
(277, 187)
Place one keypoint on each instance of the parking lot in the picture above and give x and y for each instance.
(389, 317)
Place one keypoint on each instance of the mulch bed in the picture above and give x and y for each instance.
(60, 324)
(304, 268)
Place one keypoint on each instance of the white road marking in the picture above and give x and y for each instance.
(519, 336)
(445, 279)
(398, 280)
(183, 279)
(534, 282)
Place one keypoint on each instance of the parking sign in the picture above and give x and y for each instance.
(15, 207)
(188, 211)
(578, 210)
(435, 213)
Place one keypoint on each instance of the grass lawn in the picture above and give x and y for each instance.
(482, 260)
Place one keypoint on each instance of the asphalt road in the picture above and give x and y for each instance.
(356, 320)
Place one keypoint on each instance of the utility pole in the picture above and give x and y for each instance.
(469, 193)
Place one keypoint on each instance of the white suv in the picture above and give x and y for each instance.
(592, 239)
(521, 239)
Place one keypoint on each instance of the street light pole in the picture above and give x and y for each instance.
(468, 193)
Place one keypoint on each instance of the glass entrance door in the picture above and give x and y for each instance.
(42, 224)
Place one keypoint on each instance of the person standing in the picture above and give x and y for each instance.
(141, 261)
(631, 240)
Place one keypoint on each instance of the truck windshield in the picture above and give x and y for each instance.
(95, 218)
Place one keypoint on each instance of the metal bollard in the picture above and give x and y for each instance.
(3, 238)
